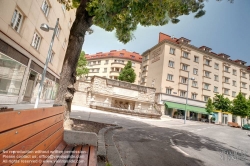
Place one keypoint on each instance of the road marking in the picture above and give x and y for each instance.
(177, 148)
(176, 134)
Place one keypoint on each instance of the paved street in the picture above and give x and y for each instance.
(147, 142)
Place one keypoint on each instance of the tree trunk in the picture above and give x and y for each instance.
(66, 89)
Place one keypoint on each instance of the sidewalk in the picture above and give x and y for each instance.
(24, 106)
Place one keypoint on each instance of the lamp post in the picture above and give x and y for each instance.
(46, 28)
(187, 98)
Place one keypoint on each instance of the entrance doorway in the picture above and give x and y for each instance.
(30, 86)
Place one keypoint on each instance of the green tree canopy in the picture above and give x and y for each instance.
(209, 106)
(240, 106)
(81, 68)
(124, 15)
(221, 103)
(128, 73)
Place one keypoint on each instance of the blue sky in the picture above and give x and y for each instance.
(225, 28)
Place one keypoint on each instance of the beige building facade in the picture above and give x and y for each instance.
(24, 48)
(110, 64)
(173, 65)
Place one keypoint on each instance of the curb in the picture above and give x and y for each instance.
(101, 148)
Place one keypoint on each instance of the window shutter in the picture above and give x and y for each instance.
(33, 41)
(14, 18)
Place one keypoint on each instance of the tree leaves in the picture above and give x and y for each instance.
(240, 106)
(128, 73)
(81, 65)
(209, 106)
(221, 103)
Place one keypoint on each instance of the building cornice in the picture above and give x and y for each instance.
(111, 56)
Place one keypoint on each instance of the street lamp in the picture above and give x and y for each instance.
(187, 98)
(46, 28)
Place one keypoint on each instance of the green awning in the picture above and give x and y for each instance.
(182, 107)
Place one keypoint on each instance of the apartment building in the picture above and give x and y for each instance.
(173, 65)
(110, 64)
(24, 47)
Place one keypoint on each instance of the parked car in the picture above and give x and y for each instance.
(246, 126)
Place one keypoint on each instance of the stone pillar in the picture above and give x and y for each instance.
(24, 83)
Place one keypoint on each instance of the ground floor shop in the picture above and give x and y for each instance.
(20, 78)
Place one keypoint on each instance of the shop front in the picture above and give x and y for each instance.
(193, 112)
(20, 78)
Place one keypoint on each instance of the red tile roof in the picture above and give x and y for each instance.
(163, 36)
(123, 54)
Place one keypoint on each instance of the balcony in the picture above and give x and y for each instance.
(183, 73)
(207, 68)
(243, 79)
(185, 60)
(117, 64)
(227, 74)
(207, 92)
(114, 73)
(183, 86)
(226, 85)
(144, 74)
(207, 79)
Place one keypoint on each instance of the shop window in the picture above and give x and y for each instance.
(11, 75)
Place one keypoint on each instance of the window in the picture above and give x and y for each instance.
(206, 86)
(183, 93)
(170, 77)
(171, 64)
(184, 80)
(58, 31)
(45, 8)
(63, 8)
(99, 62)
(226, 80)
(207, 73)
(226, 91)
(194, 84)
(226, 68)
(172, 51)
(36, 41)
(216, 78)
(51, 57)
(16, 21)
(105, 70)
(243, 85)
(233, 93)
(206, 98)
(234, 72)
(184, 67)
(168, 91)
(106, 62)
(194, 95)
(133, 64)
(195, 71)
(216, 65)
(185, 54)
(207, 62)
(243, 74)
(234, 83)
(196, 59)
(215, 89)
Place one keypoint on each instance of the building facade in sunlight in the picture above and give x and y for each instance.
(24, 48)
(110, 64)
(173, 65)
